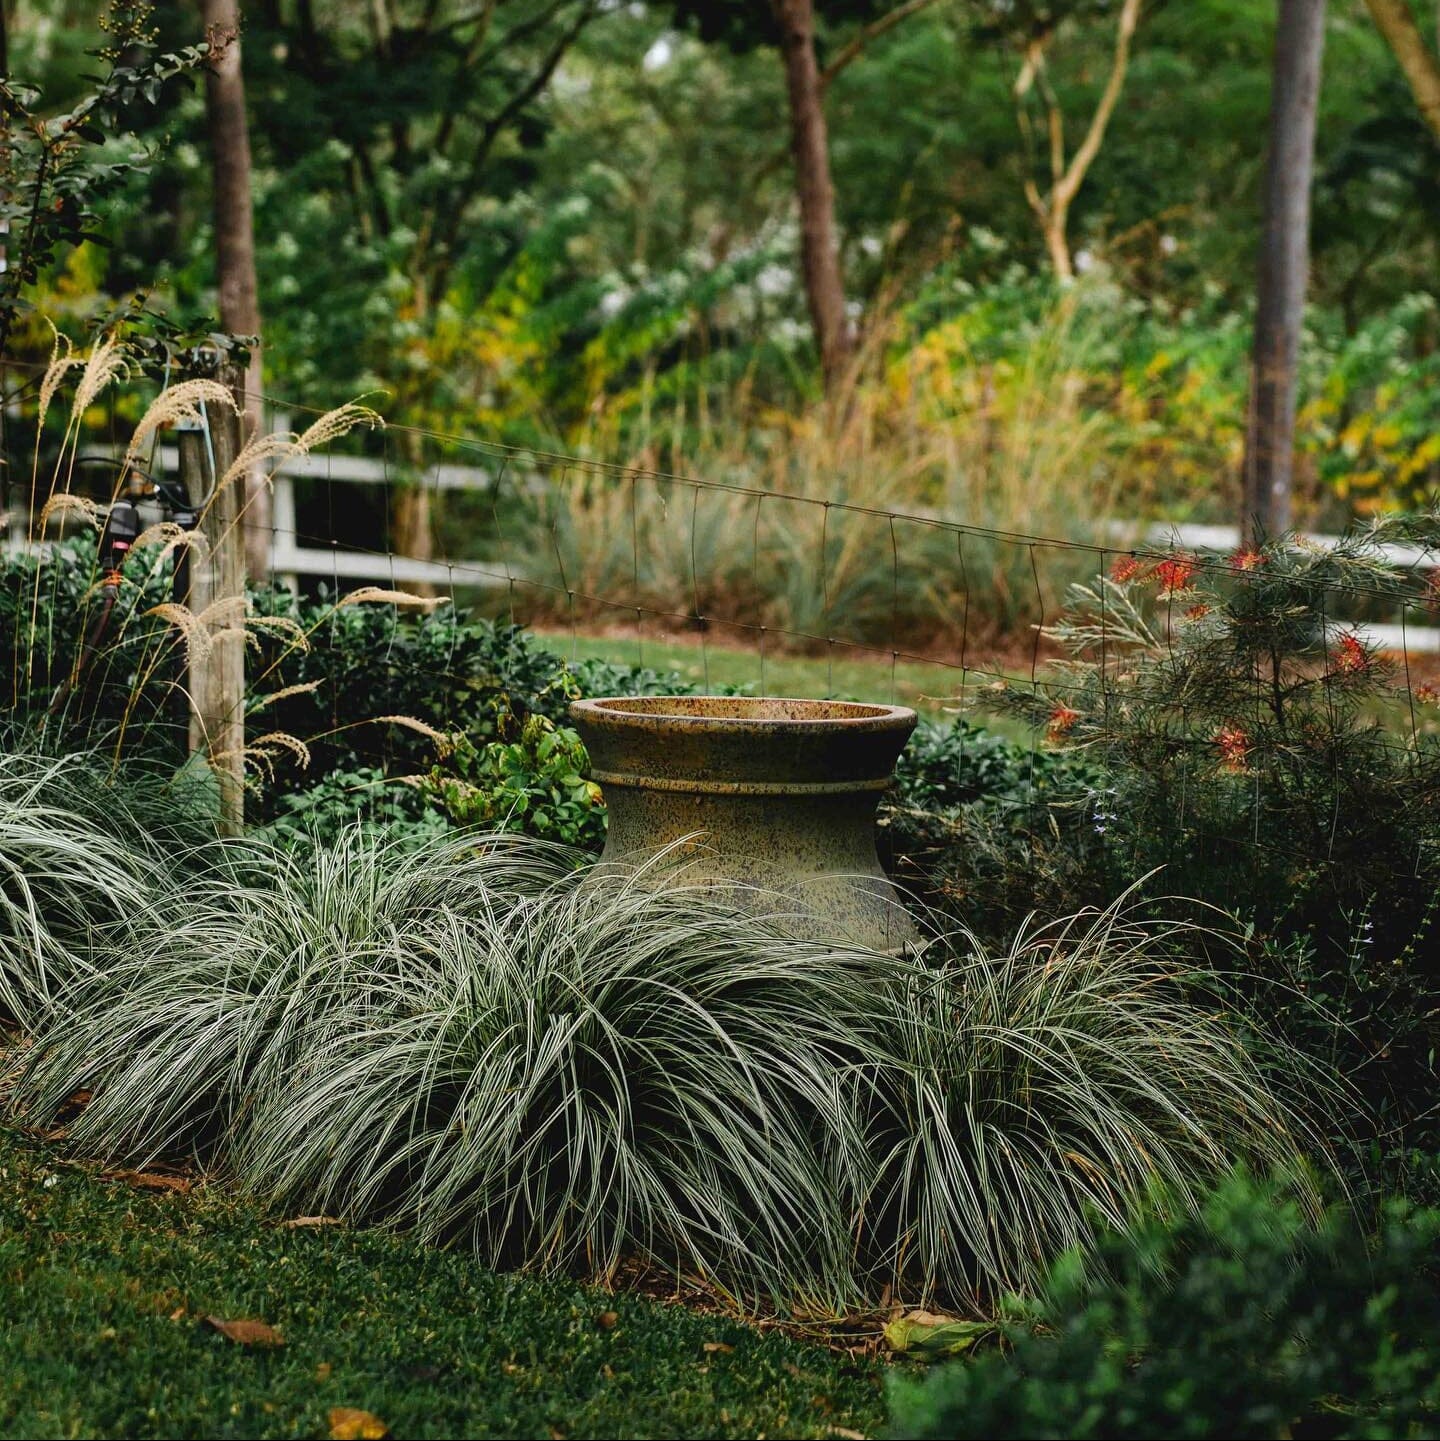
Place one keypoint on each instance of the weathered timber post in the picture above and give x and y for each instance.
(217, 599)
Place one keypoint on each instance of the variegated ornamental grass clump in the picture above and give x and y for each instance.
(563, 1068)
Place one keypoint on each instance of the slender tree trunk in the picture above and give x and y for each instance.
(1421, 65)
(810, 152)
(1067, 176)
(235, 244)
(1284, 267)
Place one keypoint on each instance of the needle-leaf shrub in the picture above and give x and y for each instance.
(1242, 1320)
(1256, 749)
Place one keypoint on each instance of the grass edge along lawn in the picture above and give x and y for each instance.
(104, 1286)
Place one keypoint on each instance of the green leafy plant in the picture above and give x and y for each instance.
(1241, 1320)
(534, 783)
(57, 170)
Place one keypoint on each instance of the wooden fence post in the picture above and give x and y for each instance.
(217, 594)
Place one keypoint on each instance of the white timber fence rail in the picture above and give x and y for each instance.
(290, 560)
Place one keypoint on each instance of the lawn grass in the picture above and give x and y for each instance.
(928, 687)
(102, 1287)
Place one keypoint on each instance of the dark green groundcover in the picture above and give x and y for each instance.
(103, 1286)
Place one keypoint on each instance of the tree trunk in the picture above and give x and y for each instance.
(411, 528)
(235, 245)
(1421, 65)
(810, 151)
(1284, 266)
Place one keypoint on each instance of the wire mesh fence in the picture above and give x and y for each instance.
(732, 584)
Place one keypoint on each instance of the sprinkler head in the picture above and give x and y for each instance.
(122, 527)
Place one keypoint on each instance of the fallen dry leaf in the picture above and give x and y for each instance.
(721, 1346)
(848, 1432)
(347, 1423)
(924, 1333)
(323, 1370)
(310, 1221)
(244, 1333)
(149, 1181)
(606, 1320)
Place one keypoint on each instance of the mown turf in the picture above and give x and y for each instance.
(102, 1287)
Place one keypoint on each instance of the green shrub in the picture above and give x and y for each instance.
(364, 688)
(534, 783)
(988, 829)
(1243, 1320)
(83, 676)
(340, 799)
(1272, 764)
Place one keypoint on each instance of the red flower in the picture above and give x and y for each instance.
(1247, 558)
(1428, 693)
(1234, 747)
(1126, 568)
(1351, 657)
(1197, 612)
(1174, 574)
(1062, 722)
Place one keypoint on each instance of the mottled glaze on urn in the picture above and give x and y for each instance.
(770, 797)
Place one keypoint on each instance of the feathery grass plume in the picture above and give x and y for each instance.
(61, 363)
(1052, 1089)
(270, 445)
(272, 743)
(284, 625)
(176, 403)
(194, 635)
(229, 612)
(444, 742)
(259, 703)
(335, 423)
(164, 533)
(65, 503)
(280, 446)
(105, 364)
(377, 595)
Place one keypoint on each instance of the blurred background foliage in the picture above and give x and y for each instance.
(571, 223)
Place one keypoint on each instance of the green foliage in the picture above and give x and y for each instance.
(534, 783)
(342, 798)
(107, 1282)
(566, 1068)
(1252, 745)
(1242, 1320)
(82, 668)
(58, 170)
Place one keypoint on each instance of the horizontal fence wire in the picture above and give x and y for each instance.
(525, 508)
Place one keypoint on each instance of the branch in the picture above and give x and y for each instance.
(1395, 22)
(462, 74)
(496, 126)
(1090, 147)
(851, 52)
